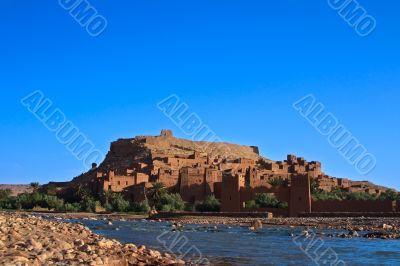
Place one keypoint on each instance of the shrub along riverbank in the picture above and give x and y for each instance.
(81, 200)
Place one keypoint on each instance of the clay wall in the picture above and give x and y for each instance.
(117, 183)
(353, 206)
(141, 178)
(212, 176)
(137, 192)
(300, 196)
(169, 178)
(343, 182)
(218, 190)
(192, 184)
(230, 196)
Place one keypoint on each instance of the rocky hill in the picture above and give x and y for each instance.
(143, 149)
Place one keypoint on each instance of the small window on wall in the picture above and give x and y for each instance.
(126, 182)
(119, 183)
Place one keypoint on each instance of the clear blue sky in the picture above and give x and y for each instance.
(238, 64)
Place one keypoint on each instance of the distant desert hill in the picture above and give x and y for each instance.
(16, 189)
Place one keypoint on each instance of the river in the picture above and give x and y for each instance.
(236, 245)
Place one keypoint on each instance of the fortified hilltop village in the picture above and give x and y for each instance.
(234, 174)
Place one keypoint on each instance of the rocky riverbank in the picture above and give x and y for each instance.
(347, 223)
(368, 227)
(367, 223)
(31, 240)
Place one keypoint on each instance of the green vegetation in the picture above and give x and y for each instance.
(155, 193)
(159, 199)
(266, 200)
(278, 182)
(211, 204)
(170, 203)
(6, 201)
(73, 200)
(339, 194)
(390, 194)
(335, 194)
(81, 199)
(29, 201)
(141, 207)
(314, 186)
(117, 203)
(72, 207)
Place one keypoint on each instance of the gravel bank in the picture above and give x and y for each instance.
(30, 240)
(367, 223)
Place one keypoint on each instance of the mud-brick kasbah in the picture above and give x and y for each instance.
(232, 173)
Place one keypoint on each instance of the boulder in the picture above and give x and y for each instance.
(257, 224)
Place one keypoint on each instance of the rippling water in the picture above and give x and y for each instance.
(235, 245)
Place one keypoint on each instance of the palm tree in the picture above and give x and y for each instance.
(108, 194)
(155, 193)
(82, 192)
(35, 186)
